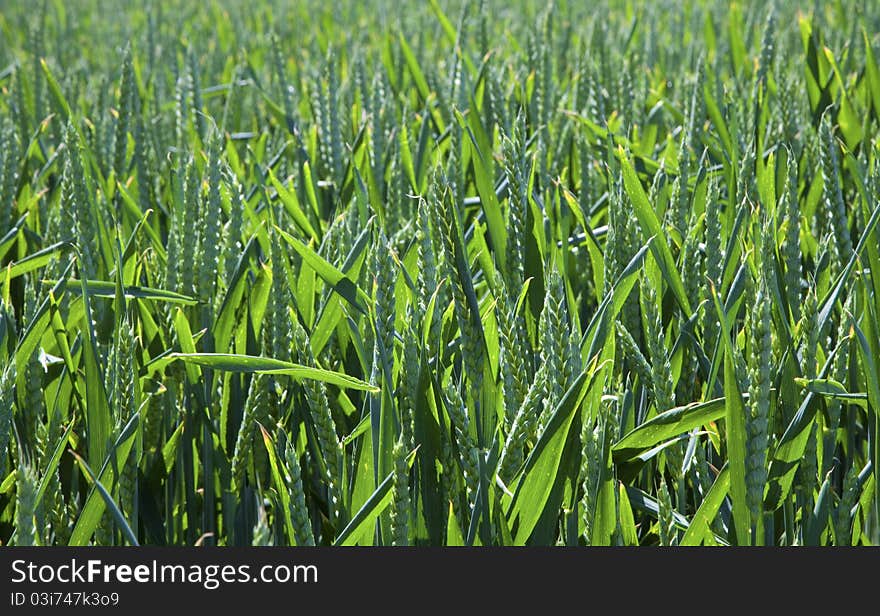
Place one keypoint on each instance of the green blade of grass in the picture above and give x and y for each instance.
(108, 500)
(699, 530)
(93, 509)
(735, 427)
(542, 465)
(364, 520)
(340, 283)
(32, 262)
(666, 425)
(107, 290)
(280, 485)
(651, 227)
(267, 365)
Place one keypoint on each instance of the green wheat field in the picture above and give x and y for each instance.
(453, 273)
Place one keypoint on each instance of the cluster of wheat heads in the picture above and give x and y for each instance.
(476, 273)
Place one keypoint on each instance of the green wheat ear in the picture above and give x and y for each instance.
(232, 234)
(808, 338)
(400, 496)
(843, 517)
(512, 357)
(680, 201)
(262, 534)
(791, 249)
(468, 453)
(128, 404)
(123, 122)
(553, 339)
(255, 411)
(591, 470)
(78, 200)
(322, 419)
(26, 505)
(408, 384)
(759, 370)
(634, 355)
(280, 75)
(662, 385)
(840, 372)
(299, 512)
(33, 413)
(665, 522)
(9, 165)
(191, 208)
(7, 400)
(209, 235)
(834, 207)
(181, 113)
(384, 276)
(195, 85)
(516, 168)
(523, 428)
(332, 130)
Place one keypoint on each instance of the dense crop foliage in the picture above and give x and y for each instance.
(474, 272)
